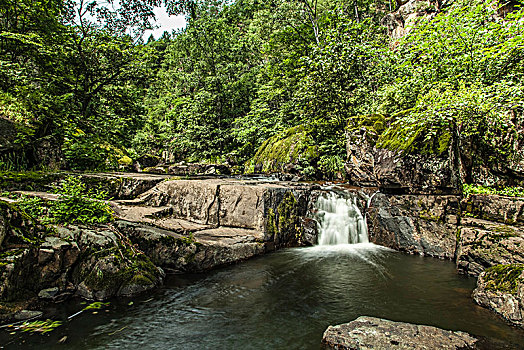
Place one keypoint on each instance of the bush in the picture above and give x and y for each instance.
(75, 204)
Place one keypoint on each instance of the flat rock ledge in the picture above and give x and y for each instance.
(375, 333)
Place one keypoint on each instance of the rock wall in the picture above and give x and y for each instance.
(422, 224)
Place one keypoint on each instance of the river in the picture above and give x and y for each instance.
(283, 300)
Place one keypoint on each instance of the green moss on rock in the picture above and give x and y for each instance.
(415, 138)
(374, 123)
(504, 278)
(287, 147)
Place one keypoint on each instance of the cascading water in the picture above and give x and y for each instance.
(340, 220)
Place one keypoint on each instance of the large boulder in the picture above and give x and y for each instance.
(284, 152)
(490, 233)
(276, 210)
(380, 156)
(376, 333)
(501, 289)
(109, 264)
(422, 224)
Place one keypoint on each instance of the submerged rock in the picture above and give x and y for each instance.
(376, 333)
(501, 289)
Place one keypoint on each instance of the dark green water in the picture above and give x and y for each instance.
(283, 300)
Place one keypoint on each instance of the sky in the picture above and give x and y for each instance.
(165, 23)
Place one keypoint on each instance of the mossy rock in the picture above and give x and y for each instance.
(29, 180)
(414, 137)
(374, 123)
(288, 147)
(504, 278)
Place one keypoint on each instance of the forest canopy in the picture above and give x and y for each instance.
(78, 75)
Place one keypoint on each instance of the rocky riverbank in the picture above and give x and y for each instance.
(172, 225)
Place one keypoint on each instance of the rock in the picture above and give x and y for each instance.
(274, 209)
(484, 244)
(283, 152)
(501, 289)
(165, 248)
(49, 293)
(8, 134)
(375, 333)
(422, 224)
(47, 153)
(23, 315)
(194, 169)
(3, 229)
(400, 22)
(122, 185)
(148, 160)
(99, 278)
(375, 160)
(508, 210)
(417, 174)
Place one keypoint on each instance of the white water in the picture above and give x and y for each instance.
(340, 220)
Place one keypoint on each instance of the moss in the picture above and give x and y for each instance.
(21, 228)
(284, 148)
(287, 216)
(271, 224)
(504, 278)
(29, 180)
(426, 215)
(125, 160)
(413, 139)
(375, 123)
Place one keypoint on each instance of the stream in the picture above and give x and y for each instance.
(283, 300)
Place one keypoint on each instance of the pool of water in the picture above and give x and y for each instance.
(283, 300)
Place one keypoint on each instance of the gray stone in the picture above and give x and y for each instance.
(417, 224)
(483, 244)
(49, 293)
(23, 315)
(375, 333)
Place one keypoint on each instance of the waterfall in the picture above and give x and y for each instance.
(340, 220)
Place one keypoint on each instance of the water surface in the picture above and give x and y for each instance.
(283, 300)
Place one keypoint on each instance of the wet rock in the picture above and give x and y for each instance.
(422, 224)
(501, 289)
(375, 333)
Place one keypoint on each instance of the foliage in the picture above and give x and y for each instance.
(242, 72)
(41, 327)
(469, 189)
(75, 204)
